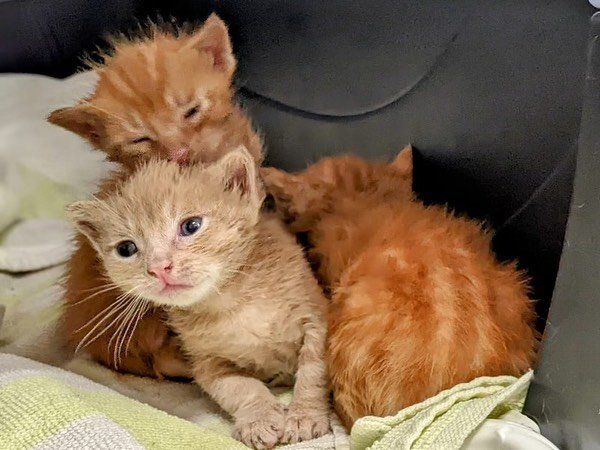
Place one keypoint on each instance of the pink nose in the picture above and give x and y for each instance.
(179, 154)
(160, 269)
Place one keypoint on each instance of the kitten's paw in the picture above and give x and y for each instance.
(262, 431)
(302, 425)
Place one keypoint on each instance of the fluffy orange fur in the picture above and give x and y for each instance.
(168, 96)
(237, 289)
(419, 301)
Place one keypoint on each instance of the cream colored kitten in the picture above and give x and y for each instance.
(238, 289)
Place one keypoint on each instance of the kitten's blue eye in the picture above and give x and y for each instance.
(190, 226)
(126, 249)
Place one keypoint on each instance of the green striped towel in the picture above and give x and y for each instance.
(45, 407)
(445, 421)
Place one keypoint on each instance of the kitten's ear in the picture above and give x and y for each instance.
(281, 185)
(85, 216)
(238, 170)
(213, 38)
(403, 163)
(81, 119)
(292, 197)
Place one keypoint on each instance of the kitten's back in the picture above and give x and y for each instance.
(420, 307)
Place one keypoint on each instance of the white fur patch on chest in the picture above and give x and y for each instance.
(258, 338)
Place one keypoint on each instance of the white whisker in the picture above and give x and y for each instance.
(130, 329)
(140, 315)
(84, 342)
(113, 308)
(114, 338)
(103, 311)
(102, 291)
(121, 332)
(138, 304)
(99, 286)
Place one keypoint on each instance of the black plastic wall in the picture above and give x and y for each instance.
(565, 395)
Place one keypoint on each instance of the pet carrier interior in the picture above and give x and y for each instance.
(501, 101)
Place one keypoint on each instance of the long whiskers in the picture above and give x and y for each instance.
(119, 304)
(100, 290)
(143, 309)
(111, 310)
(122, 316)
(127, 331)
(117, 336)
(128, 323)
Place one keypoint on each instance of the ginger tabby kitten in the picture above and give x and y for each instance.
(234, 282)
(419, 302)
(168, 96)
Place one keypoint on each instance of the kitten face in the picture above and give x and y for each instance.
(304, 198)
(164, 97)
(174, 235)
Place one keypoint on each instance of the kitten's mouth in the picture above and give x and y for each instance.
(171, 288)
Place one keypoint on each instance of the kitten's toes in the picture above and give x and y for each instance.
(304, 425)
(264, 430)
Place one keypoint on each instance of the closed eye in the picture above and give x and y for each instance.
(140, 140)
(191, 112)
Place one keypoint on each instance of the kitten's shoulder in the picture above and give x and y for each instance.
(274, 237)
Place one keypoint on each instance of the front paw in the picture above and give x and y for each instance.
(302, 425)
(262, 430)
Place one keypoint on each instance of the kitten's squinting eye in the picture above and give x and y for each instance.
(191, 112)
(190, 226)
(140, 140)
(126, 249)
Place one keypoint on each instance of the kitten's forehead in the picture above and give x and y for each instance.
(163, 188)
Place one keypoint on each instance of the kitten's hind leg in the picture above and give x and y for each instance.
(308, 415)
(258, 415)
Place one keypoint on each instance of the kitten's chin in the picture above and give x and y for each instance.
(182, 296)
(178, 302)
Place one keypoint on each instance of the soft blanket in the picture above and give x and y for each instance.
(46, 407)
(447, 420)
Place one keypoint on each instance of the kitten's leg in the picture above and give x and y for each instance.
(308, 415)
(259, 417)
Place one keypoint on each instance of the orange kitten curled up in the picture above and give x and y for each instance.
(234, 282)
(166, 96)
(419, 302)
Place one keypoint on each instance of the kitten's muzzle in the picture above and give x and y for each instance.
(160, 269)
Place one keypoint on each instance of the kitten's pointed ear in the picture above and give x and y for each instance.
(403, 163)
(238, 170)
(281, 185)
(213, 38)
(85, 216)
(81, 119)
(291, 196)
